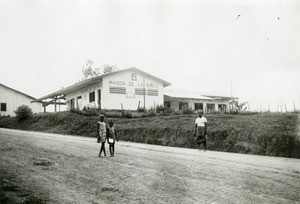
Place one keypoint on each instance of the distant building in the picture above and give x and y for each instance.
(178, 100)
(11, 99)
(127, 89)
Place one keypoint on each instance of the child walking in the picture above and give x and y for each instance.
(112, 137)
(101, 134)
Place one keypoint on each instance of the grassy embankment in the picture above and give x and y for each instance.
(272, 134)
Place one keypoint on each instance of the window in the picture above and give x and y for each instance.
(222, 108)
(139, 91)
(210, 107)
(167, 104)
(92, 96)
(79, 97)
(152, 92)
(198, 106)
(183, 105)
(117, 90)
(3, 106)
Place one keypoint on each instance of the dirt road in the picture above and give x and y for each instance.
(65, 169)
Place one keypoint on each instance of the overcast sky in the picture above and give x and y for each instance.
(196, 45)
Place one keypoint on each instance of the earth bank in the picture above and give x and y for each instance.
(272, 134)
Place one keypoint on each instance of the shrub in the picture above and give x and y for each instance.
(161, 109)
(23, 112)
(187, 111)
(126, 114)
(141, 110)
(151, 112)
(113, 114)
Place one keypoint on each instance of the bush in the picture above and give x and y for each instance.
(151, 112)
(187, 111)
(126, 114)
(141, 110)
(23, 112)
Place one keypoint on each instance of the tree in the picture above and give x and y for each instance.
(89, 71)
(109, 68)
(236, 106)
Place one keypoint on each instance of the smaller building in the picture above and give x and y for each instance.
(179, 100)
(11, 99)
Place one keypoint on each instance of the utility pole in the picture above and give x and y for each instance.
(144, 92)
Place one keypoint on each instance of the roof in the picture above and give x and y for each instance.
(17, 91)
(95, 80)
(195, 95)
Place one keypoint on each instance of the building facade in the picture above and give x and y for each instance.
(127, 89)
(11, 99)
(207, 103)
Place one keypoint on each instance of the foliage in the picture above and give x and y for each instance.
(126, 114)
(109, 68)
(141, 110)
(237, 107)
(187, 110)
(23, 112)
(89, 71)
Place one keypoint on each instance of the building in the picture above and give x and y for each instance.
(127, 89)
(11, 99)
(178, 100)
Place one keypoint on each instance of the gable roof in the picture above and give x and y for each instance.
(17, 91)
(95, 80)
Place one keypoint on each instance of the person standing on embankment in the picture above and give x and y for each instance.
(200, 134)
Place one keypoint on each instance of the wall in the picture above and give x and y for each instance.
(133, 82)
(15, 99)
(84, 101)
(175, 103)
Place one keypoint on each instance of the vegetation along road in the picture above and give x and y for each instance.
(42, 167)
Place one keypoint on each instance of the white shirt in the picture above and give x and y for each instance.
(200, 121)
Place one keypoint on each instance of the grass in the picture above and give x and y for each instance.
(272, 134)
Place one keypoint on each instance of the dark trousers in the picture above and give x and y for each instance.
(111, 148)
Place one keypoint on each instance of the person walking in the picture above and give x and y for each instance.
(111, 138)
(200, 134)
(101, 134)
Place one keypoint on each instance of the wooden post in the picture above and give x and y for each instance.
(44, 105)
(294, 106)
(54, 104)
(285, 107)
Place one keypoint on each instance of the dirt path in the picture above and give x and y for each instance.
(66, 169)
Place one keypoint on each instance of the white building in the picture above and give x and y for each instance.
(178, 100)
(126, 89)
(11, 99)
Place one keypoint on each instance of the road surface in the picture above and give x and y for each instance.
(66, 169)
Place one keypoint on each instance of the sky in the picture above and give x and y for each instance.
(250, 49)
